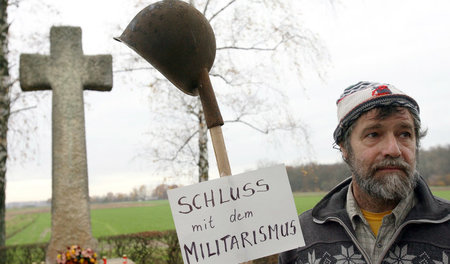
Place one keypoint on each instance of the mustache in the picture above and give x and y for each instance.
(389, 162)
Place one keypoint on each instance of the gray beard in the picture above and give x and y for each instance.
(392, 187)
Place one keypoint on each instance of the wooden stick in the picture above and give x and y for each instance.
(214, 122)
(220, 151)
(208, 98)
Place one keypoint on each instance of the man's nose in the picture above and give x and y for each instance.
(391, 146)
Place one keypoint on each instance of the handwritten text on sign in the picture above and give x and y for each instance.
(237, 218)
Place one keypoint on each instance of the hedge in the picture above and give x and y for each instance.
(143, 248)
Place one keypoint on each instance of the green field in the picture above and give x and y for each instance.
(116, 221)
(442, 193)
(26, 227)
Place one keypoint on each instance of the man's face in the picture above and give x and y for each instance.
(382, 156)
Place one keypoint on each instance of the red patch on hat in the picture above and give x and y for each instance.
(381, 90)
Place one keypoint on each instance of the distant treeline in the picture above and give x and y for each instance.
(141, 193)
(433, 165)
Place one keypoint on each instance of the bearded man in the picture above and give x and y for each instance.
(385, 212)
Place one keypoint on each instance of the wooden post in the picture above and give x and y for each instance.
(214, 122)
(220, 151)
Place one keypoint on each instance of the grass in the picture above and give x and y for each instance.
(17, 223)
(148, 216)
(307, 201)
(442, 193)
(37, 232)
(115, 221)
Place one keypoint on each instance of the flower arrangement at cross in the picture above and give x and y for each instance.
(75, 254)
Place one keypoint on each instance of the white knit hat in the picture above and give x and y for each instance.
(364, 96)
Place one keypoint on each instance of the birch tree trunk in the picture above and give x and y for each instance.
(203, 165)
(4, 113)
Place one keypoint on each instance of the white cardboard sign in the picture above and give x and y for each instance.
(236, 218)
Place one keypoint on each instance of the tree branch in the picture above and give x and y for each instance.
(221, 10)
(246, 48)
(283, 40)
(221, 77)
(238, 120)
(206, 7)
(287, 127)
(132, 69)
(14, 3)
(11, 83)
(174, 157)
(231, 83)
(20, 110)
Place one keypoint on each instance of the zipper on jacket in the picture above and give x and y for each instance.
(397, 232)
(355, 241)
(391, 242)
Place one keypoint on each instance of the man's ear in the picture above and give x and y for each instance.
(343, 151)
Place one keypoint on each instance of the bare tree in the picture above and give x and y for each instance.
(160, 192)
(5, 85)
(259, 44)
(15, 127)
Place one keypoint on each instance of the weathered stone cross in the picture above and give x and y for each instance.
(67, 72)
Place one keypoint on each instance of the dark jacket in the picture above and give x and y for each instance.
(423, 238)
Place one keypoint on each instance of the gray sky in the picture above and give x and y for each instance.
(405, 43)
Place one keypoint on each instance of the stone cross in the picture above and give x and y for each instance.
(67, 72)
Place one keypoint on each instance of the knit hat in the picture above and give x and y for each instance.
(364, 96)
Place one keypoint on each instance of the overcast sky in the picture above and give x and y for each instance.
(405, 43)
